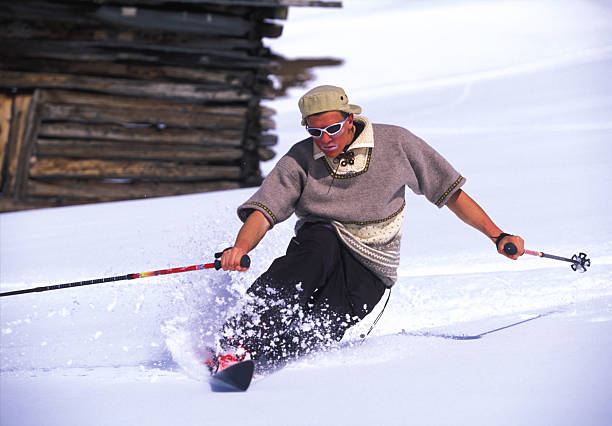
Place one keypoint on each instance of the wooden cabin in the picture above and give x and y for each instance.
(104, 100)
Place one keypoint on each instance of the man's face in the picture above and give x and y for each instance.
(332, 145)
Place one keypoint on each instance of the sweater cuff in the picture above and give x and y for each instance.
(450, 191)
(245, 210)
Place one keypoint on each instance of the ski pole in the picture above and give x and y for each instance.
(245, 262)
(579, 262)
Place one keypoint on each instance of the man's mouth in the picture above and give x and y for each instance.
(328, 147)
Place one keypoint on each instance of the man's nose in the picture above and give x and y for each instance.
(325, 138)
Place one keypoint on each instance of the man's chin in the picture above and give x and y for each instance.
(332, 154)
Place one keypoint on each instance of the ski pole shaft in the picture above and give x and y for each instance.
(245, 261)
(579, 262)
(548, 256)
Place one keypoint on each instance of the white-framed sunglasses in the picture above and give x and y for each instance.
(331, 130)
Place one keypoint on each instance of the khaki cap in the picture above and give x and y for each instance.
(325, 98)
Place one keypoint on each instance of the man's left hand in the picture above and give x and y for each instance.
(517, 241)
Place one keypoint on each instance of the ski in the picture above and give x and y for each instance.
(236, 378)
(474, 336)
(442, 336)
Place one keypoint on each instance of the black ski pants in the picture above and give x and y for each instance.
(307, 298)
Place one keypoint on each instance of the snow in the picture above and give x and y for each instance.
(515, 94)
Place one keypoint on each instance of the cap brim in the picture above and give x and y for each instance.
(350, 108)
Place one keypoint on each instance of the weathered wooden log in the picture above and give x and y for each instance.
(107, 191)
(229, 78)
(301, 3)
(164, 90)
(266, 124)
(17, 27)
(89, 13)
(8, 204)
(157, 106)
(179, 21)
(83, 106)
(20, 121)
(62, 168)
(297, 72)
(246, 3)
(136, 133)
(160, 119)
(124, 51)
(40, 10)
(75, 148)
(6, 107)
(32, 124)
(266, 112)
(268, 140)
(265, 154)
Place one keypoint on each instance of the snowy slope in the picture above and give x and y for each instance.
(516, 95)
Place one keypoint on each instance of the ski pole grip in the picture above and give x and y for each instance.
(510, 249)
(245, 262)
(219, 254)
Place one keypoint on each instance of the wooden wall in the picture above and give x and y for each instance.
(112, 100)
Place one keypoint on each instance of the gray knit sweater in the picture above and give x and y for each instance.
(364, 198)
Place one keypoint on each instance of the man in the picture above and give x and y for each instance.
(346, 184)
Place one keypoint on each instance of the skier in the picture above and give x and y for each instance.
(346, 184)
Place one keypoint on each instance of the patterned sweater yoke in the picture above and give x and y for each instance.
(360, 193)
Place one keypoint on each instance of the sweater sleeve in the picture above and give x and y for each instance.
(435, 177)
(277, 196)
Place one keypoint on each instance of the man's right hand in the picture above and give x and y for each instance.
(230, 260)
(251, 233)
